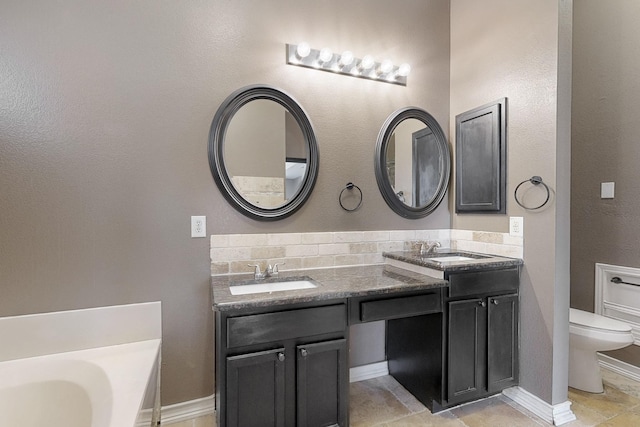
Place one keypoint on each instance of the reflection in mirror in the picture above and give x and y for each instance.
(412, 146)
(263, 153)
(412, 162)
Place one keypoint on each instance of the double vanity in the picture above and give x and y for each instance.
(282, 342)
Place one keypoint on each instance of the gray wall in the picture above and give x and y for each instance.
(606, 129)
(106, 108)
(521, 50)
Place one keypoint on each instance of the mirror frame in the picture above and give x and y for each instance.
(219, 126)
(382, 177)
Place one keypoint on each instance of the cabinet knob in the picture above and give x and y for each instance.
(494, 301)
(482, 303)
(281, 357)
(304, 352)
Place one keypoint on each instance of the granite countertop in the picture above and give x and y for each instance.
(479, 261)
(332, 283)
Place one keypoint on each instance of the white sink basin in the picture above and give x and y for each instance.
(450, 258)
(271, 287)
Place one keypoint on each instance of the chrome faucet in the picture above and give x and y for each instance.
(430, 247)
(270, 271)
(258, 274)
(273, 271)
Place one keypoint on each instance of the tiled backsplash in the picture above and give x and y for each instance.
(230, 253)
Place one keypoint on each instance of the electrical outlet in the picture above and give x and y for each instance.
(198, 226)
(516, 226)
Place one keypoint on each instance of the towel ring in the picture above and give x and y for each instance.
(350, 186)
(535, 180)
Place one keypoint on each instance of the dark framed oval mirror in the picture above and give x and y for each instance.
(263, 152)
(412, 162)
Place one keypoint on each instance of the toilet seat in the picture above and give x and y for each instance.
(584, 319)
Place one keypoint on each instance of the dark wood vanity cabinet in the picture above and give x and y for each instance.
(322, 378)
(283, 368)
(255, 388)
(286, 364)
(482, 335)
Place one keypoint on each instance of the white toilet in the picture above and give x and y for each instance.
(589, 333)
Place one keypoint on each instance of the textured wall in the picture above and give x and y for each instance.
(106, 108)
(606, 129)
(510, 49)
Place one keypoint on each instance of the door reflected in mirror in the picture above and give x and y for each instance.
(265, 153)
(413, 163)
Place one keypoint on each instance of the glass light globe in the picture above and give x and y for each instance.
(367, 62)
(404, 70)
(325, 55)
(303, 50)
(346, 58)
(386, 66)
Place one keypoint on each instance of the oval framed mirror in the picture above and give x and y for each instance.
(263, 152)
(412, 162)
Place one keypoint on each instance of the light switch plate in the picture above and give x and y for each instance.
(607, 190)
(516, 226)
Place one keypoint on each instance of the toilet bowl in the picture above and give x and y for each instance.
(588, 334)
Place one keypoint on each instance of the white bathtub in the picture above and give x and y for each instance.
(94, 387)
(99, 387)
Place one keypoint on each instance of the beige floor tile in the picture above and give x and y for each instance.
(521, 409)
(371, 403)
(586, 417)
(426, 419)
(493, 412)
(621, 383)
(205, 421)
(383, 402)
(188, 423)
(625, 419)
(609, 403)
(401, 393)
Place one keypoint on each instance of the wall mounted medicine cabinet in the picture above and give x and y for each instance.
(481, 156)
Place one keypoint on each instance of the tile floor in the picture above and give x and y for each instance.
(382, 402)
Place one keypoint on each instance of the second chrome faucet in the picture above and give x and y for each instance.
(429, 248)
(270, 271)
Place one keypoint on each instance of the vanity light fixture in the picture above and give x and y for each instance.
(346, 63)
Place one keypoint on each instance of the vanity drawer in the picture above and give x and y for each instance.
(283, 325)
(398, 307)
(482, 282)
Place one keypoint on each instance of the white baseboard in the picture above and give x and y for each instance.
(366, 372)
(557, 414)
(619, 367)
(179, 412)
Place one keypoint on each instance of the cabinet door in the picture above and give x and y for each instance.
(467, 350)
(502, 342)
(256, 389)
(322, 384)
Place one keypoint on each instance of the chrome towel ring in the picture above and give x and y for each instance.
(535, 180)
(350, 186)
